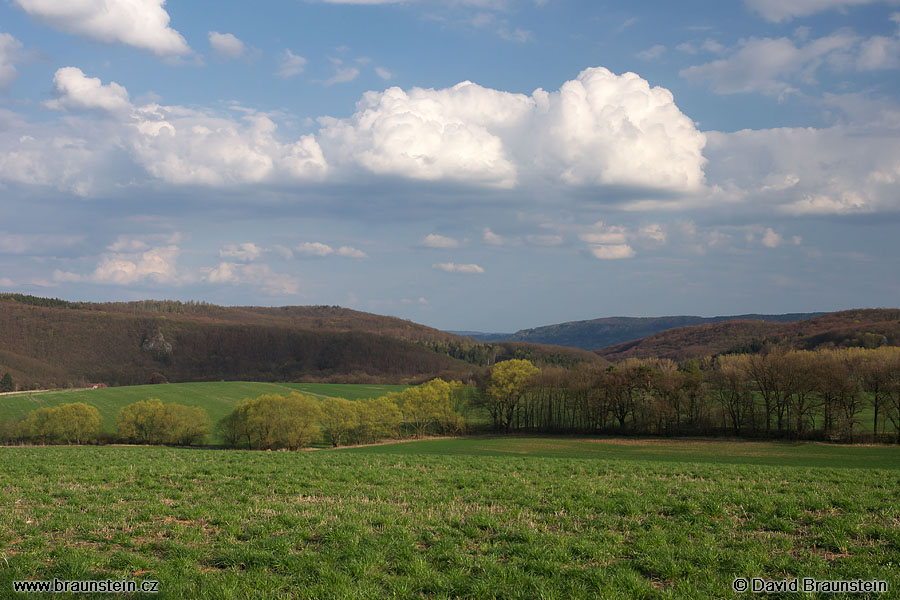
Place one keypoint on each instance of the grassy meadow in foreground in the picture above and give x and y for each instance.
(474, 518)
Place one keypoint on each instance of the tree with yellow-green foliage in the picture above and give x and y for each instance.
(152, 422)
(75, 423)
(506, 386)
(379, 418)
(273, 421)
(186, 425)
(143, 422)
(430, 405)
(339, 418)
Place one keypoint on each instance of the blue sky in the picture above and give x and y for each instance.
(472, 164)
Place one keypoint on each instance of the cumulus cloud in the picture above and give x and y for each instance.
(843, 169)
(771, 65)
(489, 237)
(226, 44)
(778, 11)
(77, 92)
(10, 55)
(612, 251)
(433, 240)
(351, 252)
(154, 265)
(172, 143)
(314, 249)
(246, 252)
(139, 23)
(290, 64)
(322, 250)
(383, 73)
(770, 239)
(881, 52)
(455, 268)
(599, 129)
(607, 242)
(653, 232)
(258, 275)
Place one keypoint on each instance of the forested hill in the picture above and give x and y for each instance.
(600, 333)
(54, 343)
(867, 328)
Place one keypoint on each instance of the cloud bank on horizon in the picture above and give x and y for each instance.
(222, 177)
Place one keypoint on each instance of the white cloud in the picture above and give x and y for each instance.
(383, 73)
(653, 232)
(770, 239)
(351, 252)
(226, 44)
(770, 65)
(258, 275)
(612, 251)
(246, 252)
(602, 234)
(290, 64)
(881, 52)
(455, 268)
(172, 143)
(607, 242)
(433, 240)
(805, 171)
(139, 23)
(155, 265)
(777, 11)
(652, 53)
(600, 129)
(10, 55)
(343, 75)
(77, 92)
(489, 237)
(607, 129)
(314, 249)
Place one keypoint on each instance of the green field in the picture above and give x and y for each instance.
(218, 398)
(472, 518)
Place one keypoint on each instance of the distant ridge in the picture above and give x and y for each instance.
(595, 334)
(859, 328)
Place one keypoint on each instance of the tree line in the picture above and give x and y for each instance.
(269, 421)
(797, 394)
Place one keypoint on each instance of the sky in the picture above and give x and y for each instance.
(485, 165)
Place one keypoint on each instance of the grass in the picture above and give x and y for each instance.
(218, 398)
(469, 518)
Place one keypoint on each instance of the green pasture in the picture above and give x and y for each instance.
(218, 397)
(521, 517)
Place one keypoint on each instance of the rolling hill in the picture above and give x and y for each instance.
(867, 328)
(600, 333)
(49, 343)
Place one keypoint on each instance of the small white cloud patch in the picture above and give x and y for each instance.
(433, 240)
(226, 44)
(290, 64)
(455, 268)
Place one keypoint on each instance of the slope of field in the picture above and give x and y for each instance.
(600, 333)
(218, 398)
(867, 328)
(478, 518)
